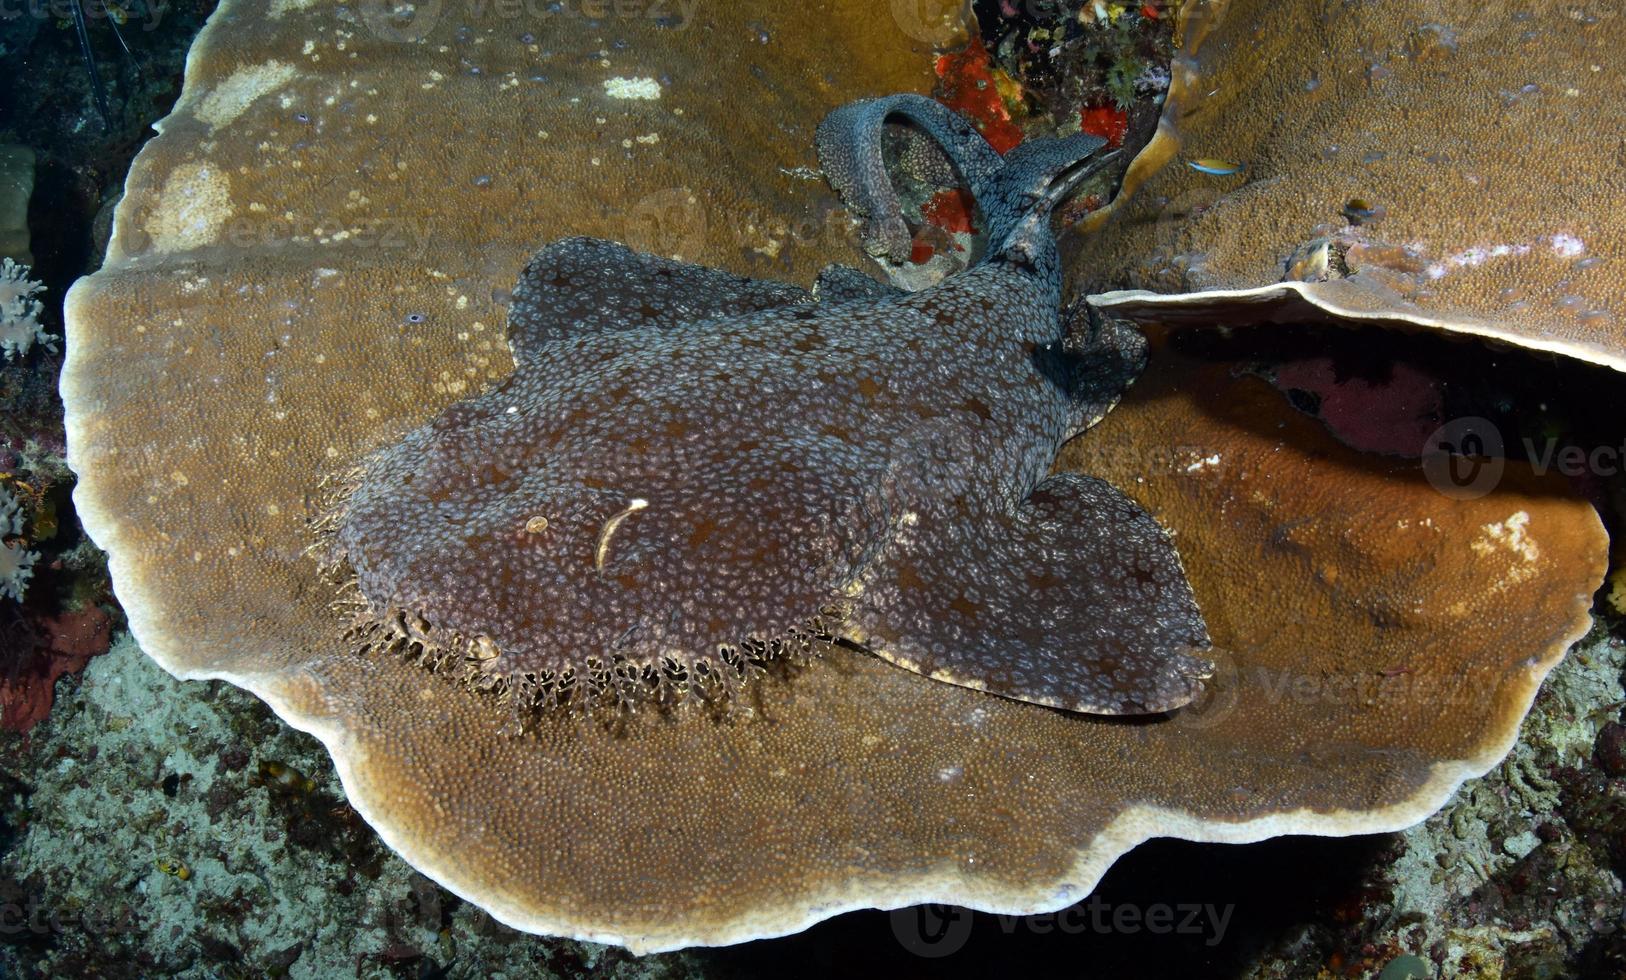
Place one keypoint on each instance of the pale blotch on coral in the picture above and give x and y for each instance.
(20, 311)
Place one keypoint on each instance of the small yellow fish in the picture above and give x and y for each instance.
(1215, 166)
(174, 867)
(284, 778)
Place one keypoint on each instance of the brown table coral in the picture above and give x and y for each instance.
(1403, 162)
(313, 259)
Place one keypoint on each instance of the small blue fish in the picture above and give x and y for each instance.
(1216, 167)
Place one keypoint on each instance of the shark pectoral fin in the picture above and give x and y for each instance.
(1077, 601)
(584, 286)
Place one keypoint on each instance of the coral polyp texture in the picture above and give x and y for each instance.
(309, 284)
(1358, 185)
(20, 310)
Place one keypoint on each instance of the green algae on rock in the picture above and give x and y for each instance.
(312, 260)
(1373, 189)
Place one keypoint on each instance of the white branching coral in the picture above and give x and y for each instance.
(16, 561)
(11, 514)
(20, 312)
(16, 568)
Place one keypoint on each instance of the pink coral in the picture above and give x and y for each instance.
(1394, 414)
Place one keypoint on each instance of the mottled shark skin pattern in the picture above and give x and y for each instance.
(690, 472)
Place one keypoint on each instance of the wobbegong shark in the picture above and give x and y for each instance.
(691, 475)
